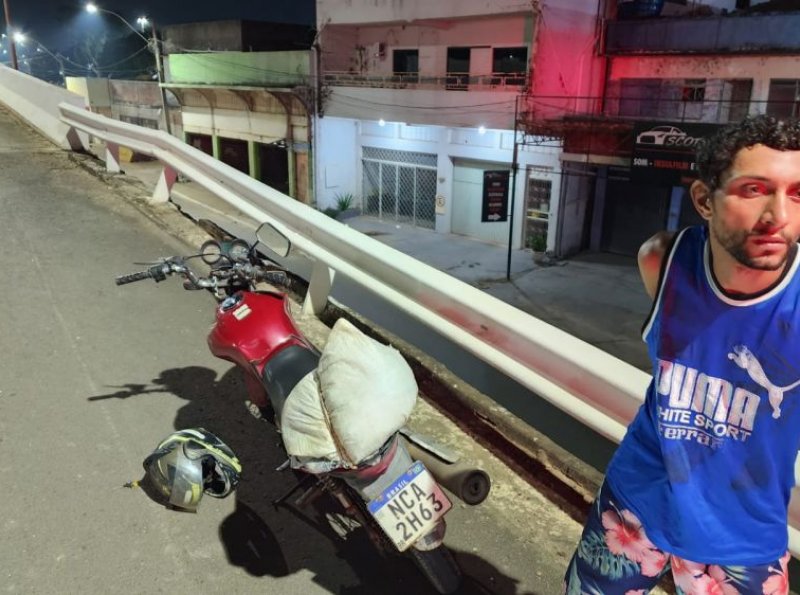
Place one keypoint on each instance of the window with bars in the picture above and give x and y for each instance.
(399, 186)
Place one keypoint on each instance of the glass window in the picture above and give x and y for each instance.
(782, 101)
(510, 60)
(511, 64)
(694, 90)
(406, 61)
(458, 68)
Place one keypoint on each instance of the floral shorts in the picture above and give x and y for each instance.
(615, 557)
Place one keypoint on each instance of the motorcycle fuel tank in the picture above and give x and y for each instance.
(251, 326)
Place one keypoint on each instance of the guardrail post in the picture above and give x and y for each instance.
(112, 157)
(164, 185)
(318, 289)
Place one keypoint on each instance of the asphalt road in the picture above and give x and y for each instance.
(93, 376)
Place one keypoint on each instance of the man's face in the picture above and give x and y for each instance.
(755, 212)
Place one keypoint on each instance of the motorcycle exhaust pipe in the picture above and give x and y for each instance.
(469, 484)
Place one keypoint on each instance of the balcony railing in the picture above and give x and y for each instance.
(454, 81)
(742, 34)
(554, 113)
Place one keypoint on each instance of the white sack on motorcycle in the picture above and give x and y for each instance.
(363, 393)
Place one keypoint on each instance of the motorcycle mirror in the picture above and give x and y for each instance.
(273, 240)
(211, 252)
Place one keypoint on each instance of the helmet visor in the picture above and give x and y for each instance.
(179, 477)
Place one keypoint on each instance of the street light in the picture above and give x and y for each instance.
(92, 8)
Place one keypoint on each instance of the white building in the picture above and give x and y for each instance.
(419, 102)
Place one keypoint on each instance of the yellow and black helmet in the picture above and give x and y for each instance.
(190, 462)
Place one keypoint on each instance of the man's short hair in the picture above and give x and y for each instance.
(716, 153)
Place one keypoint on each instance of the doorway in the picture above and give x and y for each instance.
(274, 167)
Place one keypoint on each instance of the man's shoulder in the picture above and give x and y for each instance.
(653, 250)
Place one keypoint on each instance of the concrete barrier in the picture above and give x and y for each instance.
(37, 102)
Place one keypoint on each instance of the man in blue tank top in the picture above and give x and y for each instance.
(700, 484)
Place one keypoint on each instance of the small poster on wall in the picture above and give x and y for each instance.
(495, 196)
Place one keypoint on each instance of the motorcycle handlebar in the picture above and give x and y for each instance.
(133, 277)
(159, 272)
(279, 278)
(156, 272)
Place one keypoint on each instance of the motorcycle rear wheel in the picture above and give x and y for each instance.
(439, 567)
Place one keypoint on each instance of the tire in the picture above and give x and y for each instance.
(439, 567)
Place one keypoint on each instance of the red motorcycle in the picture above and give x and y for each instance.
(394, 498)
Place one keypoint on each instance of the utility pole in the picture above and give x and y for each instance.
(10, 36)
(160, 72)
(514, 169)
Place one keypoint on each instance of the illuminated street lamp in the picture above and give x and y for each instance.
(92, 8)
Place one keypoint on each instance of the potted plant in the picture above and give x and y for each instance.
(345, 206)
(537, 242)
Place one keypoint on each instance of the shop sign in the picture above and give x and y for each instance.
(664, 153)
(495, 196)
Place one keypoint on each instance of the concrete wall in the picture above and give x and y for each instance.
(758, 68)
(671, 8)
(492, 109)
(338, 169)
(374, 11)
(277, 69)
(566, 70)
(94, 90)
(241, 124)
(37, 102)
(357, 49)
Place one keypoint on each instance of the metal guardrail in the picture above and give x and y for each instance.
(594, 387)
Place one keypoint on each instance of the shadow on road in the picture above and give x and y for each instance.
(266, 541)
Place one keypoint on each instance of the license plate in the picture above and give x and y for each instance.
(410, 507)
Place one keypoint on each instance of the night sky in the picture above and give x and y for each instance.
(59, 23)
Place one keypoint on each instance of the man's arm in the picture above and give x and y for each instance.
(651, 254)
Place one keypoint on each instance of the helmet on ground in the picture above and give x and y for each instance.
(188, 463)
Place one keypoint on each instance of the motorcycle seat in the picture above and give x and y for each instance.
(282, 373)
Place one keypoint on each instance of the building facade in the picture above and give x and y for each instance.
(418, 113)
(246, 96)
(673, 73)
